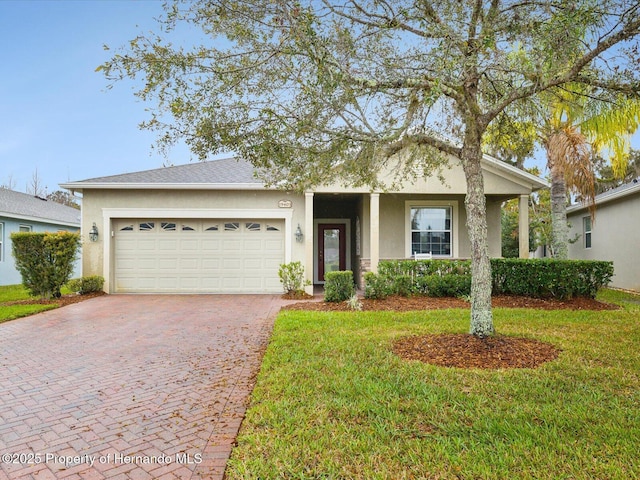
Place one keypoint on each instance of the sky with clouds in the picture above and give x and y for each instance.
(57, 117)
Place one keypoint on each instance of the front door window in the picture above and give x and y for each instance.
(331, 248)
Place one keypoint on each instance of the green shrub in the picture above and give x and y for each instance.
(528, 277)
(417, 268)
(292, 277)
(376, 286)
(338, 286)
(45, 260)
(84, 285)
(452, 285)
(402, 285)
(549, 277)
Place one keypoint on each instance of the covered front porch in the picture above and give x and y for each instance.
(354, 231)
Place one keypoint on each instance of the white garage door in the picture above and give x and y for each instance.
(198, 256)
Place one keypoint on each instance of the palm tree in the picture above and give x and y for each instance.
(578, 128)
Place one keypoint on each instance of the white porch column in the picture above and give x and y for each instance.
(308, 241)
(523, 226)
(374, 225)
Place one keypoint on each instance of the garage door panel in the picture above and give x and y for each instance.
(254, 282)
(209, 264)
(189, 283)
(252, 245)
(232, 264)
(211, 284)
(209, 245)
(272, 264)
(167, 245)
(238, 257)
(231, 283)
(232, 246)
(147, 263)
(273, 245)
(189, 264)
(252, 263)
(123, 264)
(191, 244)
(167, 282)
(146, 245)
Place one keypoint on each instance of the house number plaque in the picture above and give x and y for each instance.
(284, 204)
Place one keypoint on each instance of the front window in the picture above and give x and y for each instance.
(586, 224)
(431, 230)
(24, 228)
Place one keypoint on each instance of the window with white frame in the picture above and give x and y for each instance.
(431, 230)
(586, 230)
(25, 228)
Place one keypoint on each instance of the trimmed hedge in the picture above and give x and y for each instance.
(45, 260)
(539, 278)
(88, 284)
(545, 278)
(338, 286)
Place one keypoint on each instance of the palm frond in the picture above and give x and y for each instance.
(569, 152)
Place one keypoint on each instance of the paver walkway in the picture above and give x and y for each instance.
(129, 386)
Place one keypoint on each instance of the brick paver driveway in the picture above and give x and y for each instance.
(129, 386)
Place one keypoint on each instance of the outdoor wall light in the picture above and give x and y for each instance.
(93, 233)
(299, 235)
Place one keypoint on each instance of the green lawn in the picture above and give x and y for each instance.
(12, 293)
(332, 401)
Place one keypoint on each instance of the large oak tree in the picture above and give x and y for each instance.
(312, 91)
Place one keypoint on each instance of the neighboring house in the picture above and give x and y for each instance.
(213, 227)
(21, 212)
(613, 235)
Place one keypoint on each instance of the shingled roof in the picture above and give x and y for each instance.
(24, 206)
(227, 171)
(631, 188)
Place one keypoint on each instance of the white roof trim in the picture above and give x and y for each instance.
(606, 197)
(529, 179)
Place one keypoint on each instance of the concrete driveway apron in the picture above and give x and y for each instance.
(129, 386)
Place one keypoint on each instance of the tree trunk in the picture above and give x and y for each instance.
(475, 203)
(559, 227)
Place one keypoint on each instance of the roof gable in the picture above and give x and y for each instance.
(22, 205)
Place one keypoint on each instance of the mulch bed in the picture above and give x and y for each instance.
(403, 304)
(61, 302)
(467, 351)
(464, 350)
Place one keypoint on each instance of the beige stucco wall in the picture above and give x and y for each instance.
(615, 236)
(394, 227)
(497, 181)
(167, 203)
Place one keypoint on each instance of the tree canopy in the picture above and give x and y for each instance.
(313, 91)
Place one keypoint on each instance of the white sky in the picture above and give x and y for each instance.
(56, 115)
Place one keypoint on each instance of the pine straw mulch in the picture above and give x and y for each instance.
(464, 350)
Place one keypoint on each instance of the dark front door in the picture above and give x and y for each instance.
(332, 245)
